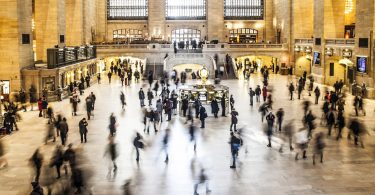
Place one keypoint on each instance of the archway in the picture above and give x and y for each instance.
(254, 63)
(189, 69)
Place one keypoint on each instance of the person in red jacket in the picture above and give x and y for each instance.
(264, 93)
(40, 107)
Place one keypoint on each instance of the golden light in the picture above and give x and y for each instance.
(348, 6)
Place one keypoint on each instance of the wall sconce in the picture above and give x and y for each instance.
(347, 53)
(308, 49)
(329, 51)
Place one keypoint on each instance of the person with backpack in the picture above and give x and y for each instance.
(202, 116)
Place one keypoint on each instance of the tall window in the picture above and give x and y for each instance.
(127, 9)
(243, 9)
(186, 9)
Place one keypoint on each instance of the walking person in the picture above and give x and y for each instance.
(202, 179)
(234, 119)
(235, 144)
(340, 124)
(330, 121)
(112, 125)
(231, 102)
(184, 105)
(37, 161)
(98, 77)
(197, 105)
(64, 128)
(202, 116)
(264, 93)
(122, 99)
(141, 96)
(302, 143)
(317, 94)
(280, 117)
(74, 100)
(57, 160)
(109, 77)
(83, 129)
(165, 144)
(150, 96)
(89, 106)
(251, 94)
(93, 99)
(270, 122)
(138, 144)
(112, 153)
(291, 90)
(159, 109)
(319, 147)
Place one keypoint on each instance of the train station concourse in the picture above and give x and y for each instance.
(175, 97)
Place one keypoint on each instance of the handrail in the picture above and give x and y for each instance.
(235, 68)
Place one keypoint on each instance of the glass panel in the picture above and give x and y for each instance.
(243, 9)
(127, 9)
(186, 9)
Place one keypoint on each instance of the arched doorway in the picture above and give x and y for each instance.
(189, 69)
(254, 63)
(186, 34)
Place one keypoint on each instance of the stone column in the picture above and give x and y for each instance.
(215, 20)
(101, 21)
(268, 21)
(318, 70)
(74, 22)
(156, 18)
(15, 19)
(49, 25)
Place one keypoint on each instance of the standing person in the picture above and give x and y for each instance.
(202, 116)
(319, 147)
(234, 119)
(174, 100)
(112, 153)
(270, 122)
(44, 107)
(89, 106)
(223, 102)
(122, 99)
(309, 121)
(64, 128)
(57, 160)
(231, 102)
(264, 93)
(235, 144)
(141, 96)
(150, 96)
(300, 89)
(291, 90)
(258, 92)
(59, 92)
(184, 105)
(197, 105)
(37, 161)
(93, 99)
(280, 117)
(40, 107)
(98, 77)
(109, 77)
(83, 129)
(112, 125)
(50, 132)
(252, 94)
(159, 109)
(215, 107)
(317, 94)
(138, 144)
(74, 100)
(202, 179)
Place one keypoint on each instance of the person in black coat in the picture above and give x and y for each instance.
(258, 92)
(340, 123)
(184, 105)
(215, 107)
(83, 129)
(317, 94)
(141, 96)
(202, 116)
(197, 105)
(330, 121)
(57, 160)
(222, 102)
(37, 161)
(234, 119)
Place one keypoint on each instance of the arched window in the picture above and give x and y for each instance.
(186, 9)
(127, 9)
(243, 9)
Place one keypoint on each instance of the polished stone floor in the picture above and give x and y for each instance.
(346, 170)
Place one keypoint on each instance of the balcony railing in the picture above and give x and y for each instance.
(68, 55)
(340, 41)
(304, 41)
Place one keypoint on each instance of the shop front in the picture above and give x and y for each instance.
(303, 60)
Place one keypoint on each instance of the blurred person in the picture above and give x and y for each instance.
(190, 116)
(64, 129)
(57, 123)
(270, 122)
(235, 144)
(231, 102)
(185, 105)
(288, 134)
(122, 99)
(44, 107)
(89, 106)
(112, 124)
(138, 144)
(174, 99)
(330, 120)
(319, 147)
(3, 160)
(165, 143)
(291, 90)
(192, 132)
(302, 143)
(263, 109)
(223, 103)
(340, 124)
(50, 133)
(77, 179)
(37, 189)
(93, 99)
(40, 108)
(202, 179)
(37, 161)
(69, 158)
(112, 153)
(251, 94)
(150, 97)
(57, 160)
(83, 129)
(264, 93)
(159, 109)
(357, 130)
(258, 92)
(280, 117)
(309, 122)
(74, 100)
(50, 115)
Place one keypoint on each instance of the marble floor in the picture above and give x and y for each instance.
(347, 169)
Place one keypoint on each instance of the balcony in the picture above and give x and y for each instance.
(340, 42)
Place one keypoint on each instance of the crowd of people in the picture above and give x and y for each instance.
(159, 102)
